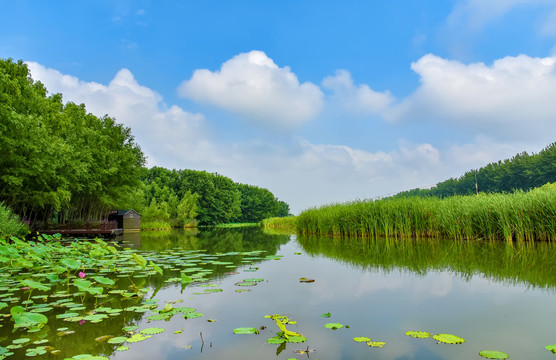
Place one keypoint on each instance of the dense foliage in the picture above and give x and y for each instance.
(522, 172)
(212, 198)
(58, 160)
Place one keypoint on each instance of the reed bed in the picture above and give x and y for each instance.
(517, 216)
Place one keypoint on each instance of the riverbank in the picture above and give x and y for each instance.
(517, 216)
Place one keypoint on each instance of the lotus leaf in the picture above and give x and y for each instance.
(379, 344)
(297, 339)
(418, 334)
(140, 260)
(122, 348)
(333, 326)
(276, 340)
(327, 315)
(35, 285)
(137, 338)
(246, 330)
(361, 339)
(551, 348)
(70, 263)
(103, 280)
(254, 280)
(448, 339)
(151, 331)
(306, 280)
(490, 354)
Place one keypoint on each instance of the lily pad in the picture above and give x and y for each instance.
(448, 339)
(361, 339)
(151, 331)
(327, 315)
(306, 280)
(117, 340)
(246, 330)
(491, 354)
(551, 348)
(378, 344)
(334, 326)
(418, 334)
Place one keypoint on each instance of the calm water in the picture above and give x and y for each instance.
(497, 297)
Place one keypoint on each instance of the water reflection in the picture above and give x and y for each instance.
(524, 263)
(212, 240)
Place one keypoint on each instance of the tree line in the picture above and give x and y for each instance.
(210, 198)
(60, 163)
(522, 172)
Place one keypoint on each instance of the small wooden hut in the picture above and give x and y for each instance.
(128, 220)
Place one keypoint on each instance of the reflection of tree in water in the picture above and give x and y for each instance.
(213, 240)
(518, 263)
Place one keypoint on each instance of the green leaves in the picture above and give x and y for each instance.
(140, 260)
(448, 339)
(418, 334)
(34, 285)
(25, 319)
(490, 354)
(334, 326)
(246, 330)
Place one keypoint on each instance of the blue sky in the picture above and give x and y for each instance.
(318, 101)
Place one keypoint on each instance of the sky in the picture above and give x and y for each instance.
(318, 101)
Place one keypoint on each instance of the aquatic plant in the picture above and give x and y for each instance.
(517, 216)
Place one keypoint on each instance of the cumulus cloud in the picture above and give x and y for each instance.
(514, 98)
(252, 85)
(135, 106)
(359, 98)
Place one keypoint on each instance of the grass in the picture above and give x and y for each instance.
(517, 216)
(155, 225)
(10, 224)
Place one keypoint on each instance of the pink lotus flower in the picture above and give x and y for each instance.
(82, 274)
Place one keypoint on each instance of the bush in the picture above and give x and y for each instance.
(10, 224)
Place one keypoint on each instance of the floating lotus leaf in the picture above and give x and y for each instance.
(361, 339)
(491, 354)
(378, 344)
(254, 280)
(418, 334)
(193, 315)
(296, 339)
(167, 308)
(160, 317)
(21, 340)
(276, 340)
(448, 339)
(245, 283)
(246, 330)
(551, 348)
(213, 290)
(117, 340)
(327, 315)
(131, 328)
(103, 280)
(333, 326)
(151, 331)
(122, 348)
(306, 280)
(137, 338)
(242, 290)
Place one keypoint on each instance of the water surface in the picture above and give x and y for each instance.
(494, 295)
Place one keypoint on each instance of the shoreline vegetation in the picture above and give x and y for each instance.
(518, 216)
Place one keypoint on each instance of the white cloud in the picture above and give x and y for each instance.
(512, 99)
(475, 14)
(252, 85)
(157, 128)
(356, 98)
